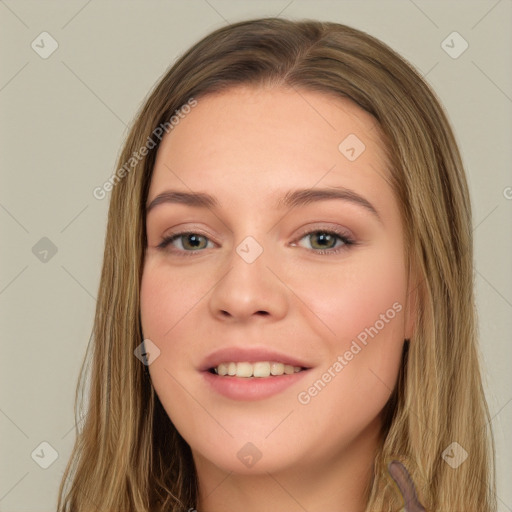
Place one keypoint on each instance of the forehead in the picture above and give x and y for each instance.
(264, 140)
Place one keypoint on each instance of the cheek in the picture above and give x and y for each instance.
(353, 295)
(166, 298)
(167, 301)
(155, 305)
(362, 303)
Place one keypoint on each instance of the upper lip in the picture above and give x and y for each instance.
(250, 355)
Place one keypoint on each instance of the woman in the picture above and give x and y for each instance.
(289, 258)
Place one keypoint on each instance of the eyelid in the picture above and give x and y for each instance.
(326, 227)
(191, 229)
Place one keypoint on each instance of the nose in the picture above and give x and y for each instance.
(249, 288)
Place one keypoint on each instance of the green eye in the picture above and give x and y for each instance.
(324, 241)
(190, 242)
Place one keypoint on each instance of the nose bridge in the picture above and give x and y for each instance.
(249, 287)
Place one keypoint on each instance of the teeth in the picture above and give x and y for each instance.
(244, 370)
(288, 370)
(276, 368)
(260, 369)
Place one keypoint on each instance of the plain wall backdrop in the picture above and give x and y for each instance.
(73, 74)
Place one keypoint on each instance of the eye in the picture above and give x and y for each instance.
(323, 241)
(187, 242)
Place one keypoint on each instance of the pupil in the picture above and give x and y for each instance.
(194, 239)
(322, 238)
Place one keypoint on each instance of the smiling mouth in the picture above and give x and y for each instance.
(260, 369)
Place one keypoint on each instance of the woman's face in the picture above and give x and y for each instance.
(293, 261)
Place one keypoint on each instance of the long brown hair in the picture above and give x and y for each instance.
(128, 456)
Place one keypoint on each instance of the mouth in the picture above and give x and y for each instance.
(258, 369)
(251, 372)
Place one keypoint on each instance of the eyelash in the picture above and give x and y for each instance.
(347, 242)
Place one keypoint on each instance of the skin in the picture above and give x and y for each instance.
(247, 147)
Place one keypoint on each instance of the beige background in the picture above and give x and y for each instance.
(63, 122)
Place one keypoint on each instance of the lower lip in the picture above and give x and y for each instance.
(252, 388)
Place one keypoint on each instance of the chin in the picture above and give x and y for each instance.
(246, 458)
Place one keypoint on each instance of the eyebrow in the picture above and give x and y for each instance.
(291, 199)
